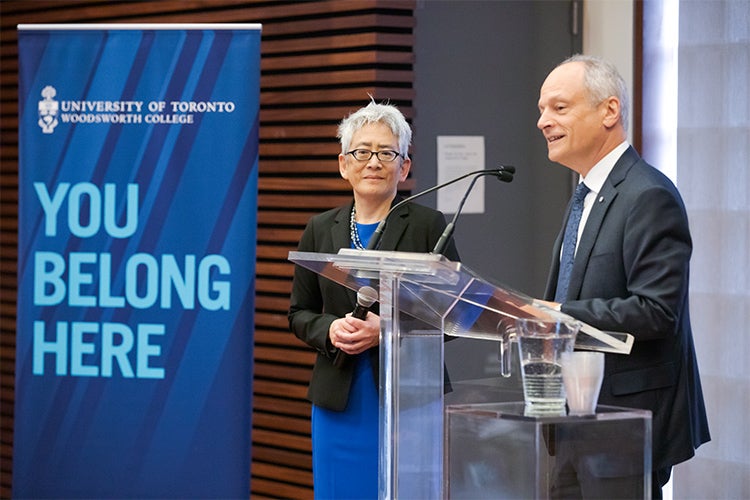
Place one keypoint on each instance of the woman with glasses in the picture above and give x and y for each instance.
(344, 386)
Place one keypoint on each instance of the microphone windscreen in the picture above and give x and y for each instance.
(366, 296)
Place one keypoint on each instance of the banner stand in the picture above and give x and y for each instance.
(136, 259)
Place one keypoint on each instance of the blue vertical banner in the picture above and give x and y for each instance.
(136, 260)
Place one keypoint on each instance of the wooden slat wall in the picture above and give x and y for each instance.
(320, 61)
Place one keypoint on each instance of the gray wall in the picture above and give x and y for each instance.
(479, 66)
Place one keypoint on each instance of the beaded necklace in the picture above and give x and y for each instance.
(353, 233)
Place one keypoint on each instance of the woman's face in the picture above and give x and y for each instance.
(374, 179)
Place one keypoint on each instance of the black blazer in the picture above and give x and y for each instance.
(631, 273)
(316, 302)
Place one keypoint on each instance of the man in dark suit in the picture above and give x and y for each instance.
(632, 249)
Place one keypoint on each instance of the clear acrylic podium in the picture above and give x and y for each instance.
(424, 297)
(496, 450)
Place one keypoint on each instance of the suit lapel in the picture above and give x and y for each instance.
(341, 238)
(395, 227)
(340, 234)
(588, 238)
(596, 218)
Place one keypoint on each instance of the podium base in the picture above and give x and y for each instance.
(495, 451)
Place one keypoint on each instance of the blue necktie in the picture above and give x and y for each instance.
(569, 242)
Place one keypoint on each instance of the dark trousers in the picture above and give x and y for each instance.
(658, 479)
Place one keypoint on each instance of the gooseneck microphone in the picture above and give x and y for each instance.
(366, 297)
(503, 173)
(506, 176)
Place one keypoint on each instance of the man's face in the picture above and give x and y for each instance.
(573, 127)
(374, 178)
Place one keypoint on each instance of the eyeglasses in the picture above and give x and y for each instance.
(385, 155)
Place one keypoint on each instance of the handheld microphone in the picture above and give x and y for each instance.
(503, 172)
(504, 175)
(366, 297)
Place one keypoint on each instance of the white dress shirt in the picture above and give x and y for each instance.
(594, 180)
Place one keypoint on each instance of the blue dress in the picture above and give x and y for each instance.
(345, 443)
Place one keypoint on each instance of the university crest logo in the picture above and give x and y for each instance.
(48, 109)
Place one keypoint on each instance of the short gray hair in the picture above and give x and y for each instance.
(387, 114)
(602, 80)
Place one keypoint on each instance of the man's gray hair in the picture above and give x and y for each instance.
(602, 80)
(387, 114)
